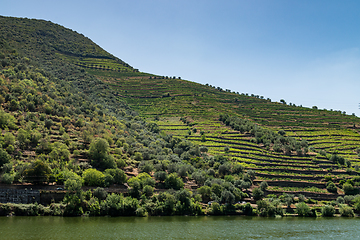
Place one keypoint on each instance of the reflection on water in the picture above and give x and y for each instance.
(224, 227)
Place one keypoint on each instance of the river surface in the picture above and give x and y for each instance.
(178, 227)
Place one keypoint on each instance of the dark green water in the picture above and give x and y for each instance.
(178, 228)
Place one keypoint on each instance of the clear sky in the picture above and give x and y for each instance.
(305, 51)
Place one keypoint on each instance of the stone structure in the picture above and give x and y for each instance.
(19, 196)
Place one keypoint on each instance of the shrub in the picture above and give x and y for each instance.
(248, 209)
(224, 169)
(263, 185)
(7, 178)
(257, 193)
(38, 173)
(269, 209)
(93, 177)
(4, 157)
(161, 176)
(199, 177)
(327, 211)
(331, 187)
(227, 197)
(148, 190)
(346, 211)
(141, 212)
(340, 200)
(350, 189)
(146, 167)
(173, 181)
(303, 210)
(216, 209)
(118, 175)
(205, 192)
(100, 193)
(98, 151)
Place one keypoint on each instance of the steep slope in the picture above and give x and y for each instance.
(87, 92)
(192, 110)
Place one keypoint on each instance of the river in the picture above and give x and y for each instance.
(178, 227)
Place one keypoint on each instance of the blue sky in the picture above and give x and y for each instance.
(306, 52)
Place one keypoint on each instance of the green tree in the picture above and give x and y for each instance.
(7, 120)
(4, 157)
(99, 149)
(331, 187)
(161, 176)
(59, 152)
(327, 211)
(99, 153)
(118, 175)
(23, 137)
(174, 182)
(39, 172)
(346, 211)
(303, 210)
(148, 190)
(263, 185)
(350, 189)
(9, 139)
(93, 177)
(14, 105)
(257, 193)
(205, 192)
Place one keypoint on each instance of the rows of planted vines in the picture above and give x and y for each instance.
(273, 139)
(269, 164)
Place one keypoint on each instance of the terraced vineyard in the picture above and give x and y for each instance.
(191, 110)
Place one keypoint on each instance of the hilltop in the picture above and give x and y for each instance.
(73, 114)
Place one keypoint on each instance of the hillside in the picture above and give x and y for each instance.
(73, 114)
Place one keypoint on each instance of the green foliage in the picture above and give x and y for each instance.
(331, 187)
(75, 105)
(99, 153)
(263, 185)
(346, 211)
(174, 182)
(265, 136)
(146, 167)
(257, 193)
(303, 210)
(39, 172)
(7, 178)
(350, 189)
(93, 177)
(327, 211)
(4, 157)
(118, 175)
(7, 120)
(59, 152)
(117, 205)
(269, 209)
(100, 193)
(205, 192)
(142, 178)
(216, 209)
(248, 209)
(161, 176)
(148, 191)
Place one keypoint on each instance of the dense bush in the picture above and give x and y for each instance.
(303, 210)
(331, 187)
(93, 177)
(346, 211)
(327, 211)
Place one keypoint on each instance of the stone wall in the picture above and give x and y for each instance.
(19, 196)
